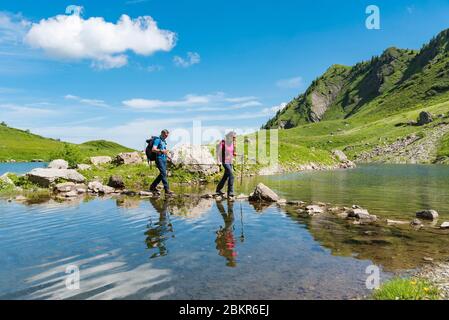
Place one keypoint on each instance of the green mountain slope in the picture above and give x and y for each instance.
(367, 110)
(24, 146)
(396, 81)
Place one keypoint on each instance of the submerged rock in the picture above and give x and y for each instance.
(361, 215)
(282, 201)
(314, 209)
(294, 203)
(20, 198)
(263, 193)
(416, 223)
(396, 222)
(427, 214)
(45, 177)
(58, 164)
(100, 160)
(242, 196)
(445, 225)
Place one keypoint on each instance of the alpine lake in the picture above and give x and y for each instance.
(194, 248)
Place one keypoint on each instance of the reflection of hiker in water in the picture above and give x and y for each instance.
(158, 233)
(225, 241)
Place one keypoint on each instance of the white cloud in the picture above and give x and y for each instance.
(188, 101)
(275, 109)
(104, 43)
(192, 58)
(241, 99)
(291, 83)
(90, 102)
(134, 133)
(13, 27)
(211, 102)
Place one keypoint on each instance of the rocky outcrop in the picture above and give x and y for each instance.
(343, 159)
(424, 118)
(321, 101)
(427, 214)
(263, 194)
(128, 158)
(195, 159)
(100, 160)
(58, 164)
(44, 177)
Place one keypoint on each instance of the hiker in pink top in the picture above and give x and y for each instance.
(225, 156)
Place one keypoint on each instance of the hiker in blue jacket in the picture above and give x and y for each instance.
(160, 148)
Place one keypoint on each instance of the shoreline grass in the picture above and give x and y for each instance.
(407, 289)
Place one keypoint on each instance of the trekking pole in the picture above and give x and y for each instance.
(242, 235)
(241, 173)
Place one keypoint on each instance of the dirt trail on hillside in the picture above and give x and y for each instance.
(411, 149)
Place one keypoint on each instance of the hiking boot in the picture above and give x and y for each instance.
(155, 191)
(219, 193)
(169, 193)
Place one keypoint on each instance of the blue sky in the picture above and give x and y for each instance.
(229, 64)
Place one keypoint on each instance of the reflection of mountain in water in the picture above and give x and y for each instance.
(392, 247)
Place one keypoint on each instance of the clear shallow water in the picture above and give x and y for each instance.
(386, 190)
(128, 248)
(20, 167)
(152, 250)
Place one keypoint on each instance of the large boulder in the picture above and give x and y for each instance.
(116, 182)
(58, 164)
(100, 160)
(46, 176)
(263, 193)
(424, 118)
(128, 158)
(340, 155)
(195, 159)
(427, 214)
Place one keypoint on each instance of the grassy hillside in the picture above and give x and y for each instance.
(396, 81)
(24, 146)
(366, 107)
